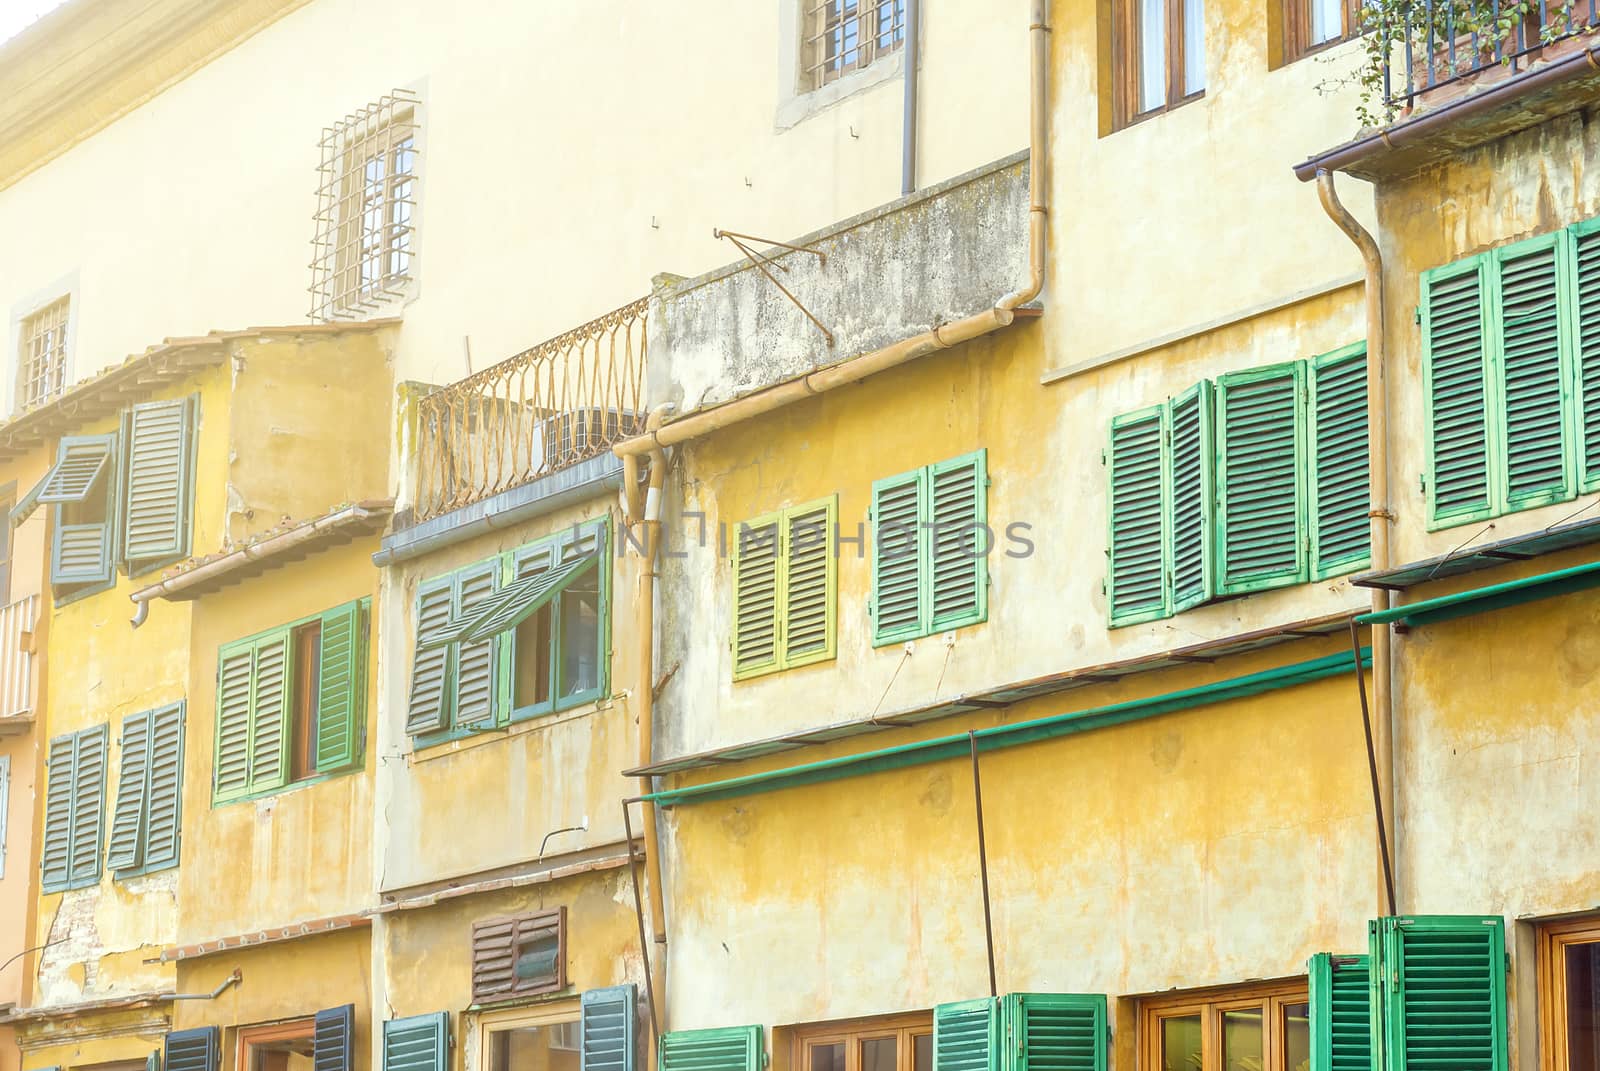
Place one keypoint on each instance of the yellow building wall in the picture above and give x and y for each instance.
(87, 1041)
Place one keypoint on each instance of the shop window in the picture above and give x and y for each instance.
(1259, 1028)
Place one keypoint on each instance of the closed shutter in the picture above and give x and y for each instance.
(1136, 587)
(164, 818)
(734, 1048)
(270, 694)
(1191, 449)
(332, 1039)
(809, 582)
(475, 662)
(88, 804)
(757, 555)
(966, 1036)
(1443, 980)
(192, 1050)
(1055, 1032)
(1455, 403)
(1529, 297)
(606, 1026)
(1262, 455)
(232, 761)
(417, 1043)
(55, 855)
(958, 542)
(1341, 1013)
(133, 779)
(899, 553)
(81, 554)
(1339, 492)
(1586, 287)
(342, 687)
(156, 510)
(519, 955)
(428, 705)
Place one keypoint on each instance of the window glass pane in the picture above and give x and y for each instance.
(878, 1054)
(531, 683)
(828, 1057)
(922, 1058)
(1194, 46)
(305, 701)
(534, 1048)
(1180, 1043)
(1243, 1044)
(1296, 1032)
(1152, 54)
(1326, 20)
(580, 634)
(1583, 1007)
(286, 1054)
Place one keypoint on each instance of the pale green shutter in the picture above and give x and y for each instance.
(899, 557)
(85, 473)
(967, 1036)
(1339, 492)
(757, 595)
(1454, 385)
(124, 850)
(1443, 985)
(1136, 587)
(88, 804)
(1191, 448)
(429, 701)
(232, 761)
(734, 1048)
(475, 662)
(1054, 1032)
(270, 693)
(156, 504)
(606, 1026)
(810, 566)
(55, 855)
(1533, 324)
(1260, 508)
(958, 542)
(164, 791)
(341, 687)
(417, 1043)
(1586, 342)
(1341, 1013)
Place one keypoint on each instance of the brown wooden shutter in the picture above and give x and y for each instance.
(498, 944)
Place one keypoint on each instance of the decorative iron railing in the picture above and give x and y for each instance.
(546, 409)
(16, 656)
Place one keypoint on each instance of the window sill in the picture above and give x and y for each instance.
(293, 786)
(443, 745)
(795, 108)
(71, 886)
(938, 630)
(1155, 113)
(1248, 588)
(143, 871)
(78, 594)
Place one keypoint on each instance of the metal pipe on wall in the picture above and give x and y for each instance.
(908, 118)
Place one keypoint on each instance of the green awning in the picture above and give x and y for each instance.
(1493, 597)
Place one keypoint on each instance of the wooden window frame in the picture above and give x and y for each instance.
(1293, 33)
(1552, 939)
(283, 1030)
(43, 353)
(1125, 40)
(905, 1028)
(1210, 1004)
(552, 1013)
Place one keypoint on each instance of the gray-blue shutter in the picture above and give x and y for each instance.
(331, 1039)
(192, 1050)
(417, 1043)
(607, 1029)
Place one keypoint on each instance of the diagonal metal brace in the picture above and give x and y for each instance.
(761, 264)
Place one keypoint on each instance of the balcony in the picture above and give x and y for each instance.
(16, 664)
(1460, 45)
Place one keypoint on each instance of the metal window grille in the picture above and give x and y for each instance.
(363, 253)
(44, 354)
(846, 35)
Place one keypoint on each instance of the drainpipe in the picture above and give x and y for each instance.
(1380, 517)
(908, 117)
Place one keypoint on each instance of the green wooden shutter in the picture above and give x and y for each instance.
(1586, 344)
(1529, 303)
(475, 663)
(428, 706)
(88, 804)
(1339, 491)
(1443, 985)
(966, 1036)
(81, 554)
(606, 1027)
(270, 695)
(193, 1050)
(85, 472)
(232, 759)
(55, 855)
(810, 581)
(1454, 389)
(1137, 588)
(734, 1048)
(1191, 447)
(899, 557)
(155, 507)
(958, 542)
(82, 462)
(332, 1039)
(1053, 1032)
(1260, 509)
(417, 1043)
(342, 687)
(1341, 1013)
(757, 594)
(126, 847)
(164, 790)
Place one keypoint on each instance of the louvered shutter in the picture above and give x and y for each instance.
(153, 1061)
(958, 542)
(606, 1026)
(809, 583)
(500, 944)
(1191, 448)
(270, 694)
(164, 789)
(1136, 586)
(82, 462)
(475, 663)
(88, 804)
(55, 856)
(232, 759)
(1443, 980)
(1586, 344)
(1341, 1013)
(1054, 1032)
(155, 506)
(427, 708)
(734, 1048)
(966, 1036)
(417, 1043)
(81, 554)
(1455, 403)
(1529, 298)
(125, 850)
(85, 472)
(757, 595)
(1260, 512)
(341, 686)
(1339, 490)
(192, 1050)
(899, 557)
(332, 1038)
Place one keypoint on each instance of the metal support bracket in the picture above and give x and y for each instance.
(763, 263)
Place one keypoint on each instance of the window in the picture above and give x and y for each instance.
(930, 547)
(785, 589)
(146, 816)
(74, 805)
(519, 956)
(323, 1042)
(42, 371)
(1258, 480)
(5, 807)
(364, 248)
(517, 636)
(1160, 58)
(898, 1043)
(1308, 26)
(1568, 960)
(846, 35)
(417, 1043)
(280, 721)
(1251, 1028)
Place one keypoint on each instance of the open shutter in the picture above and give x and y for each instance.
(966, 1036)
(1586, 344)
(606, 1026)
(958, 542)
(193, 1050)
(126, 848)
(1191, 447)
(82, 461)
(88, 804)
(232, 762)
(1136, 586)
(734, 1048)
(519, 600)
(1341, 1013)
(757, 594)
(164, 809)
(332, 1038)
(269, 713)
(1533, 324)
(1055, 1032)
(475, 662)
(809, 582)
(1455, 403)
(1260, 503)
(427, 707)
(156, 504)
(55, 856)
(84, 474)
(1339, 492)
(341, 687)
(899, 557)
(417, 1043)
(1443, 985)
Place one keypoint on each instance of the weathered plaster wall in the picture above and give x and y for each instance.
(84, 1041)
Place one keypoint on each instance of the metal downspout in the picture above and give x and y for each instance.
(1379, 516)
(908, 116)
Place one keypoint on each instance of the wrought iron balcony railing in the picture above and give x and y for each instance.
(16, 656)
(543, 410)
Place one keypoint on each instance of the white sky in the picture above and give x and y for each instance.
(15, 14)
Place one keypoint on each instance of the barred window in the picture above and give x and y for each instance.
(364, 251)
(42, 369)
(846, 35)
